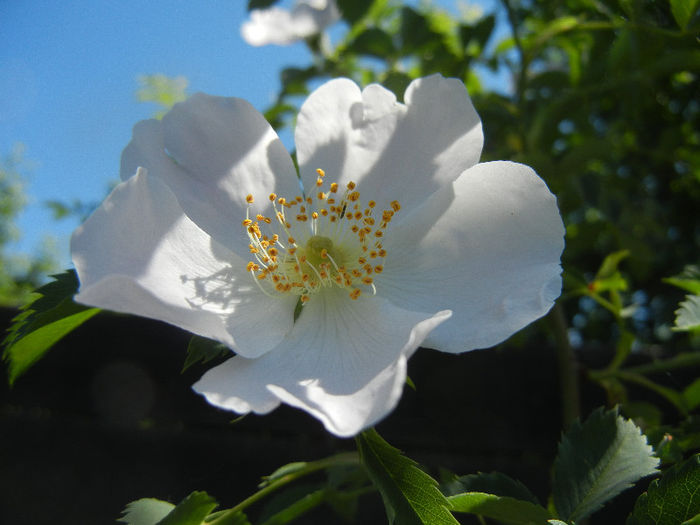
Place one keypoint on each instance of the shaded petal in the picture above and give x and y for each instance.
(212, 152)
(138, 253)
(487, 247)
(283, 27)
(344, 363)
(392, 150)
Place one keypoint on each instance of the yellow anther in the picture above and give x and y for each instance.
(367, 280)
(247, 222)
(320, 172)
(378, 233)
(371, 204)
(319, 182)
(334, 187)
(378, 269)
(273, 252)
(305, 298)
(382, 252)
(351, 185)
(272, 197)
(369, 221)
(314, 215)
(299, 198)
(291, 240)
(355, 294)
(250, 266)
(320, 195)
(302, 218)
(395, 205)
(282, 201)
(249, 199)
(354, 195)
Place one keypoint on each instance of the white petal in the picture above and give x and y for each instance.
(212, 152)
(282, 27)
(487, 247)
(392, 150)
(344, 363)
(138, 253)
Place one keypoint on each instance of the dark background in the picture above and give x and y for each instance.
(107, 418)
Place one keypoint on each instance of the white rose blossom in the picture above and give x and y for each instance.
(399, 239)
(282, 27)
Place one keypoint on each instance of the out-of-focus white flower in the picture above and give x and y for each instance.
(399, 238)
(282, 27)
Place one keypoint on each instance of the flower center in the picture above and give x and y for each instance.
(321, 241)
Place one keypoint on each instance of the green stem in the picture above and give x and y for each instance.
(679, 361)
(346, 458)
(567, 367)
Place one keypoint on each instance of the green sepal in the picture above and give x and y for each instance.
(596, 461)
(204, 350)
(43, 322)
(672, 499)
(411, 497)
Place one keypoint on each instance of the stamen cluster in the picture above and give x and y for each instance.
(324, 240)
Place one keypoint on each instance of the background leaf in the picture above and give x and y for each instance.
(596, 461)
(190, 511)
(672, 499)
(411, 497)
(688, 315)
(494, 483)
(504, 509)
(43, 322)
(146, 511)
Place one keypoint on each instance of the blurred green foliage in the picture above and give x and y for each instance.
(20, 273)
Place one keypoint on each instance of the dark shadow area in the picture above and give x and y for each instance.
(107, 418)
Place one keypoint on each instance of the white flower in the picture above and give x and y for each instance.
(283, 27)
(404, 241)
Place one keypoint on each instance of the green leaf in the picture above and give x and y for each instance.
(190, 511)
(260, 4)
(204, 350)
(43, 322)
(683, 11)
(493, 483)
(146, 511)
(353, 10)
(688, 279)
(691, 394)
(688, 315)
(411, 497)
(672, 499)
(610, 264)
(373, 42)
(504, 509)
(596, 461)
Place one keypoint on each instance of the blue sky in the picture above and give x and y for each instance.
(69, 77)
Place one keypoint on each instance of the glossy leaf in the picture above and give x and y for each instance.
(411, 497)
(672, 499)
(190, 511)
